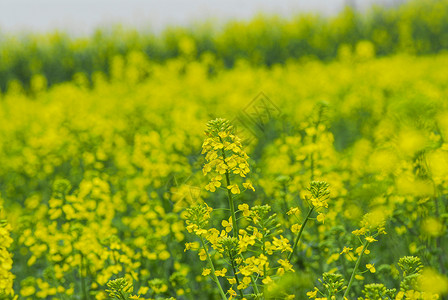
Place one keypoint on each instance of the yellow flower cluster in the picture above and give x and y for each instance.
(224, 156)
(372, 225)
(197, 219)
(250, 254)
(6, 277)
(416, 295)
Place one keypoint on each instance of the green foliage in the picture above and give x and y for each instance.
(377, 291)
(119, 289)
(319, 190)
(332, 283)
(218, 125)
(411, 267)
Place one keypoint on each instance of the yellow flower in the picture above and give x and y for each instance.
(359, 249)
(282, 244)
(346, 250)
(217, 145)
(245, 209)
(191, 246)
(312, 294)
(370, 239)
(231, 280)
(202, 254)
(205, 272)
(213, 185)
(223, 134)
(227, 224)
(244, 241)
(360, 231)
(234, 188)
(244, 283)
(371, 268)
(293, 211)
(231, 292)
(221, 168)
(221, 273)
(285, 264)
(248, 185)
(321, 217)
(317, 202)
(200, 232)
(267, 280)
(295, 228)
(206, 169)
(333, 257)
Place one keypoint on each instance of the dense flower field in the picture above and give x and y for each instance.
(184, 179)
(119, 181)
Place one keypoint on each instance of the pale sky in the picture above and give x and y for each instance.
(83, 16)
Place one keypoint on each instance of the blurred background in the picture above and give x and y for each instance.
(59, 39)
(83, 16)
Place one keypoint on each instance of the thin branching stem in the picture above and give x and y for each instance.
(234, 273)
(365, 245)
(299, 234)
(212, 267)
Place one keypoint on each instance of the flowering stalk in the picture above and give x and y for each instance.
(224, 156)
(319, 196)
(372, 225)
(234, 223)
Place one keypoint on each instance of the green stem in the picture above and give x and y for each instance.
(212, 267)
(123, 296)
(229, 195)
(254, 284)
(300, 233)
(355, 269)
